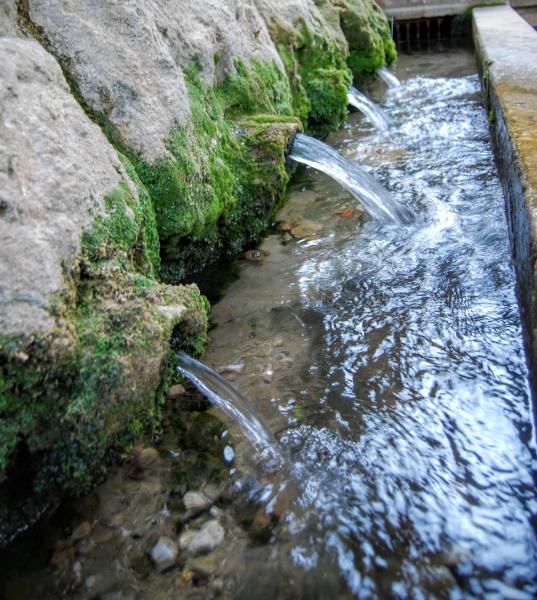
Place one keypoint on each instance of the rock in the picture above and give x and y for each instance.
(255, 255)
(260, 530)
(90, 582)
(63, 557)
(119, 54)
(186, 537)
(164, 553)
(82, 531)
(206, 539)
(216, 513)
(229, 454)
(175, 392)
(217, 586)
(77, 571)
(185, 578)
(285, 226)
(204, 567)
(62, 184)
(235, 368)
(138, 462)
(305, 230)
(196, 501)
(54, 175)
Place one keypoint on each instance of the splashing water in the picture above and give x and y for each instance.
(376, 200)
(387, 76)
(405, 408)
(226, 397)
(370, 110)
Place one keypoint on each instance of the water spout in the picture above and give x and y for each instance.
(226, 397)
(375, 199)
(389, 78)
(370, 110)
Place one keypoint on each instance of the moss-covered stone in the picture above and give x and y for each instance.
(216, 190)
(72, 401)
(368, 34)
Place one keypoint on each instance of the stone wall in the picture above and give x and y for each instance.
(140, 140)
(506, 48)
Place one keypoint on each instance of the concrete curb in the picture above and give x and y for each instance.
(506, 49)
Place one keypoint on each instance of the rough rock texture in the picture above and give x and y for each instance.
(54, 173)
(506, 48)
(139, 140)
(210, 62)
(79, 305)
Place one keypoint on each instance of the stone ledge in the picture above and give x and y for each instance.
(506, 48)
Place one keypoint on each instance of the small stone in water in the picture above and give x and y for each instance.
(196, 501)
(176, 391)
(63, 557)
(229, 454)
(255, 255)
(207, 538)
(164, 553)
(82, 531)
(186, 537)
(305, 230)
(236, 368)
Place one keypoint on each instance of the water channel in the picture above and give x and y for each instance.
(389, 361)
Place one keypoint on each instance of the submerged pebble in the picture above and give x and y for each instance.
(205, 540)
(164, 553)
(196, 501)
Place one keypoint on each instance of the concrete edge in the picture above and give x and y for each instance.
(506, 52)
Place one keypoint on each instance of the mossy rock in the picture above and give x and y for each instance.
(368, 34)
(72, 401)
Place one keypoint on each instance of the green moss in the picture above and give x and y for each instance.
(368, 35)
(215, 190)
(128, 227)
(319, 77)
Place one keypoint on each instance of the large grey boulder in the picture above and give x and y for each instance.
(128, 58)
(55, 169)
(79, 302)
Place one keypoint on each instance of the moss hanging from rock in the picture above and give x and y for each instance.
(216, 190)
(368, 34)
(73, 401)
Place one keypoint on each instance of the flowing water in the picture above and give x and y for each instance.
(389, 361)
(376, 200)
(388, 77)
(228, 399)
(370, 110)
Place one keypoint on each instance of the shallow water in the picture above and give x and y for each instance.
(390, 363)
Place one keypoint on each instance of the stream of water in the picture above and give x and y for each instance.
(390, 363)
(376, 200)
(371, 111)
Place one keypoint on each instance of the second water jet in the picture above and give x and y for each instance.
(371, 111)
(375, 199)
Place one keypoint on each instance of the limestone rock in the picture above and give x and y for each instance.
(196, 501)
(55, 169)
(128, 58)
(206, 539)
(175, 392)
(164, 553)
